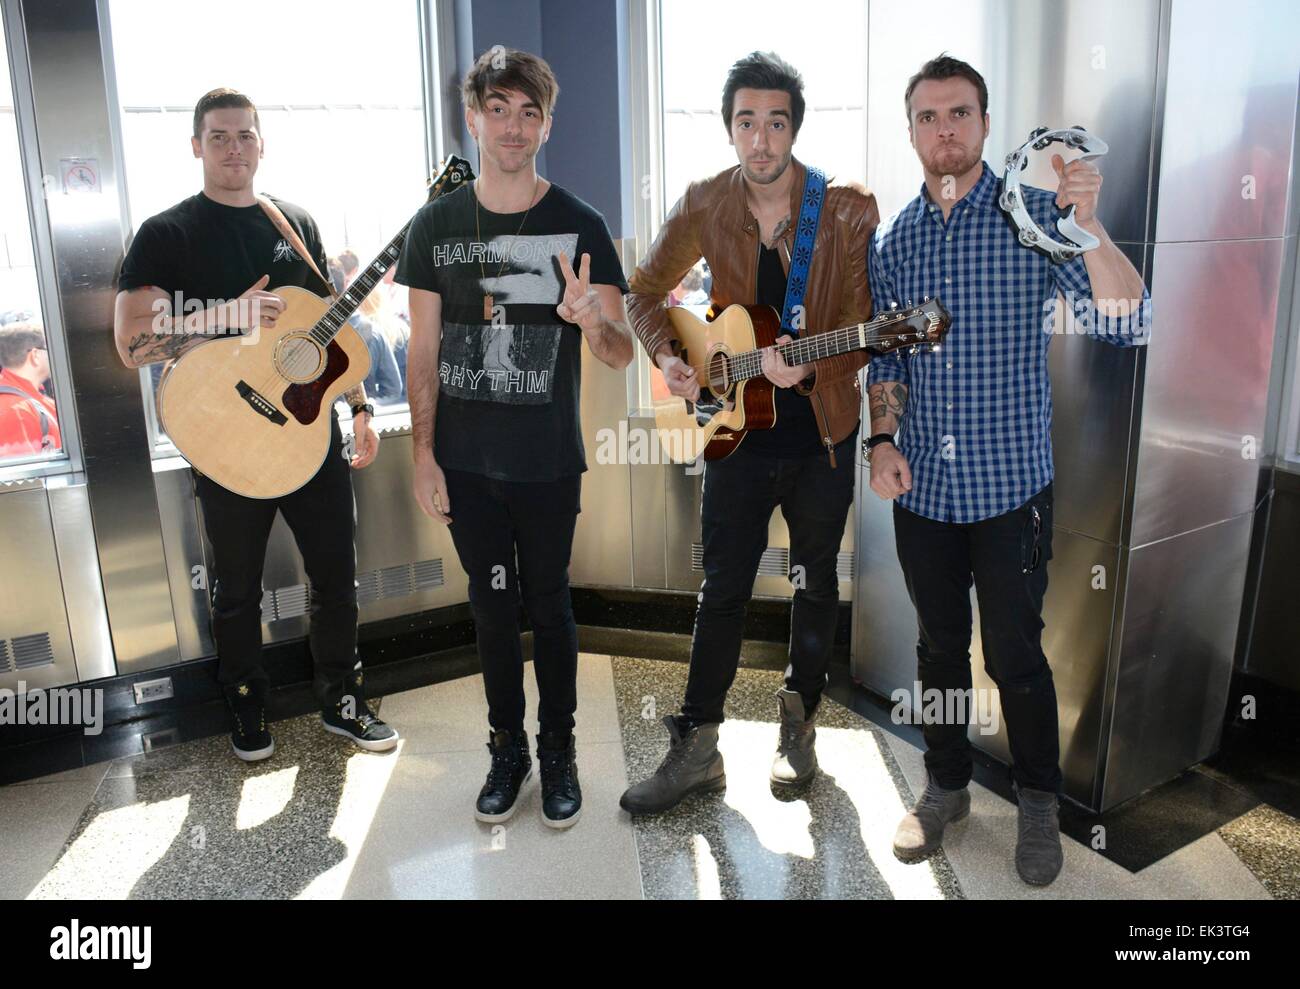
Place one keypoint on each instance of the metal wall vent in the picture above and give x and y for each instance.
(6, 659)
(775, 562)
(30, 652)
(372, 585)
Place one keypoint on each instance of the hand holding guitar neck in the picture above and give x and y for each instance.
(777, 371)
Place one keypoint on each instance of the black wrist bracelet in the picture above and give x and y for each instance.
(877, 439)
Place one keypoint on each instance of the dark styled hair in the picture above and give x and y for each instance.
(944, 66)
(17, 340)
(764, 70)
(504, 69)
(220, 99)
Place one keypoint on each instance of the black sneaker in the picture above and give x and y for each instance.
(249, 737)
(365, 729)
(561, 795)
(512, 767)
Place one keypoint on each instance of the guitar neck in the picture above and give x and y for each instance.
(813, 348)
(328, 326)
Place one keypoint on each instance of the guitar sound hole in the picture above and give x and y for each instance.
(299, 359)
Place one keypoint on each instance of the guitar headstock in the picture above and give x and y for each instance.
(913, 328)
(453, 173)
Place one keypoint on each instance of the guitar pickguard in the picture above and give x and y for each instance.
(304, 400)
(709, 405)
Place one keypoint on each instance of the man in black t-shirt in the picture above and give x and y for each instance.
(186, 276)
(498, 318)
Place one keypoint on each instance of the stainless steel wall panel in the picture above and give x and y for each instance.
(186, 561)
(391, 531)
(1229, 120)
(602, 544)
(31, 596)
(1206, 387)
(1093, 389)
(72, 120)
(884, 621)
(1179, 626)
(1058, 64)
(83, 590)
(649, 518)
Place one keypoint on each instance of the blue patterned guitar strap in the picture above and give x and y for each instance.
(810, 211)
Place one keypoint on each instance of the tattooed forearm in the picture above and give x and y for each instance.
(356, 395)
(888, 402)
(150, 348)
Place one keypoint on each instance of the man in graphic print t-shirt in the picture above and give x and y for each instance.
(508, 277)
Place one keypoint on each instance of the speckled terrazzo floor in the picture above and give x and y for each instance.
(1268, 842)
(321, 819)
(833, 840)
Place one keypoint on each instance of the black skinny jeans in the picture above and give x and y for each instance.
(940, 561)
(740, 494)
(514, 539)
(322, 516)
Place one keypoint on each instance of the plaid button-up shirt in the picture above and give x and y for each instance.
(977, 430)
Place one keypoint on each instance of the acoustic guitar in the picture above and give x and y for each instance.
(253, 412)
(735, 397)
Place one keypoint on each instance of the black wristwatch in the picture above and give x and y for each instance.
(871, 443)
(367, 408)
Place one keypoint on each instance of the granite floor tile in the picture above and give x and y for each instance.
(425, 843)
(452, 716)
(833, 840)
(1268, 843)
(981, 849)
(1206, 869)
(37, 820)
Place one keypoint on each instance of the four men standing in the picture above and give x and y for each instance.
(511, 276)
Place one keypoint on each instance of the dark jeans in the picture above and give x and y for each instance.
(740, 494)
(514, 539)
(940, 561)
(322, 516)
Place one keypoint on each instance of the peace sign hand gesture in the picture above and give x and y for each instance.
(581, 305)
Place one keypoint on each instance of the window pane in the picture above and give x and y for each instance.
(29, 425)
(340, 98)
(695, 64)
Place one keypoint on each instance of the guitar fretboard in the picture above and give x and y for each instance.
(815, 347)
(328, 326)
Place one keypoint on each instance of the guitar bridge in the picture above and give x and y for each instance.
(259, 404)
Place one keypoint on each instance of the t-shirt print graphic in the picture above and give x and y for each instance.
(506, 362)
(284, 252)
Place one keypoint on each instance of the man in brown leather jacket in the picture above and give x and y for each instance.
(742, 222)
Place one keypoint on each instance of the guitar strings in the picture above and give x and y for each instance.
(325, 329)
(741, 367)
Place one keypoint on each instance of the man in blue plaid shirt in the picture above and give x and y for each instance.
(971, 474)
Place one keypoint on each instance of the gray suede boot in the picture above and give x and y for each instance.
(1038, 846)
(921, 830)
(796, 758)
(693, 765)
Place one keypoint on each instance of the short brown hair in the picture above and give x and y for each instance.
(944, 66)
(17, 340)
(220, 99)
(503, 69)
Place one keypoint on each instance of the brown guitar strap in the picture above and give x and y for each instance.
(281, 224)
